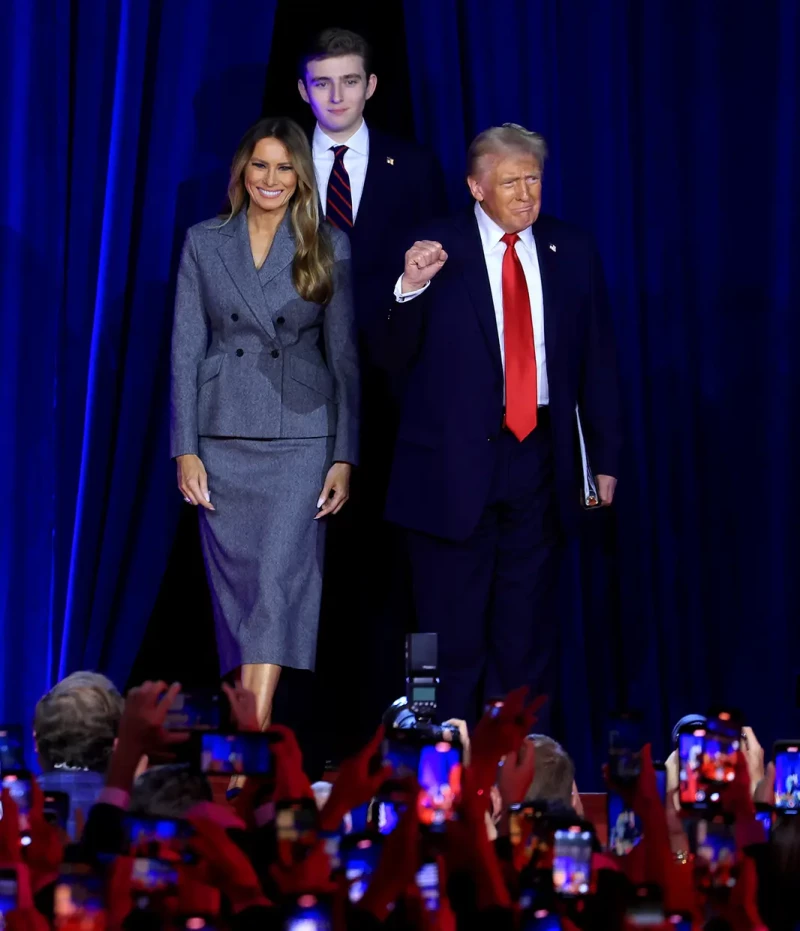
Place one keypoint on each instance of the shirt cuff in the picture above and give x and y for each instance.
(119, 798)
(401, 298)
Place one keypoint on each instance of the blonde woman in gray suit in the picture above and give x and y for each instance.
(264, 403)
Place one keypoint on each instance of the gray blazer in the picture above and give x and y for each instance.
(260, 362)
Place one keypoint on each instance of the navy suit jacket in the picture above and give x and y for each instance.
(445, 345)
(403, 190)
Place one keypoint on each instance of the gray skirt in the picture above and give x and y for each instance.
(262, 548)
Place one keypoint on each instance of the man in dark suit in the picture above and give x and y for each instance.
(500, 328)
(379, 189)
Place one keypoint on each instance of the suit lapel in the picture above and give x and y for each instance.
(472, 265)
(281, 252)
(237, 257)
(548, 271)
(379, 176)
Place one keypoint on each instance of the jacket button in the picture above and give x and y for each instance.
(489, 439)
(240, 352)
(234, 317)
(280, 321)
(274, 353)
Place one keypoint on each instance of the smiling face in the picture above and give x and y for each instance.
(508, 185)
(337, 89)
(269, 177)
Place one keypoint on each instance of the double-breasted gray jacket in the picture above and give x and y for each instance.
(250, 357)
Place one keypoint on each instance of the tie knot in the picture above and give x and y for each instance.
(338, 151)
(510, 239)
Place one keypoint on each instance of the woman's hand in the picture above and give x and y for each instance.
(335, 491)
(193, 481)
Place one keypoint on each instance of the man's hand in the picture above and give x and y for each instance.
(606, 485)
(423, 260)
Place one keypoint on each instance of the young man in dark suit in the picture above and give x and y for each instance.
(379, 189)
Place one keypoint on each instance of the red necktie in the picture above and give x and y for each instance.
(521, 385)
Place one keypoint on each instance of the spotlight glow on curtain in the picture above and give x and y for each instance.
(119, 121)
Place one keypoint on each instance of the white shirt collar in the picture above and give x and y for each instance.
(358, 142)
(491, 233)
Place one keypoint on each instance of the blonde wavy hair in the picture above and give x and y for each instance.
(312, 269)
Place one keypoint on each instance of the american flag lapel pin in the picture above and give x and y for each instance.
(389, 160)
(552, 247)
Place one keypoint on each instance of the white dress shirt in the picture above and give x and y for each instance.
(493, 251)
(356, 159)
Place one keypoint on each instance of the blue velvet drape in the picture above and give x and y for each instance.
(675, 136)
(119, 119)
(674, 130)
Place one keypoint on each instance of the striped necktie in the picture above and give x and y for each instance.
(339, 208)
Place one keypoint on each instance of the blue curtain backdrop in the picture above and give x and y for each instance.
(119, 120)
(674, 130)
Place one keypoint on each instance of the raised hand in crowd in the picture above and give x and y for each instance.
(358, 781)
(244, 711)
(399, 860)
(142, 732)
(228, 865)
(45, 852)
(499, 734)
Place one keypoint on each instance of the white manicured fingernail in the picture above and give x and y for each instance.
(208, 497)
(320, 502)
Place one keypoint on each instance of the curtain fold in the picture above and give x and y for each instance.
(120, 120)
(674, 131)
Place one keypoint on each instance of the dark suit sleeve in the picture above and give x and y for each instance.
(598, 395)
(189, 344)
(398, 332)
(341, 353)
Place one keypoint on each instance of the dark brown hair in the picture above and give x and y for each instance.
(336, 43)
(312, 270)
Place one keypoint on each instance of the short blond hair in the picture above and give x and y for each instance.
(510, 137)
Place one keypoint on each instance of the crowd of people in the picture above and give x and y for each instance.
(487, 831)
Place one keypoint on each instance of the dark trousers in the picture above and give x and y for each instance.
(490, 597)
